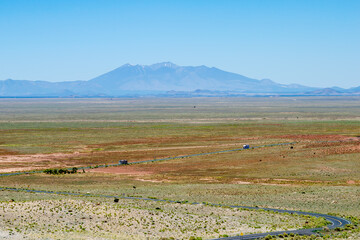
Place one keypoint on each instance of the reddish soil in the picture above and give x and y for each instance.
(315, 137)
(14, 162)
(128, 170)
(9, 161)
(351, 182)
(7, 152)
(335, 147)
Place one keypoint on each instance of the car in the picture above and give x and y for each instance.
(121, 162)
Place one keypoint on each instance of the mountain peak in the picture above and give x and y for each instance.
(153, 66)
(127, 65)
(163, 64)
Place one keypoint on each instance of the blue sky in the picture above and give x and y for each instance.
(310, 42)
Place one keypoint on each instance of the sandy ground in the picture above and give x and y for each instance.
(8, 235)
(34, 161)
(131, 219)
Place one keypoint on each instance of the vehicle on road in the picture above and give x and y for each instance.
(123, 162)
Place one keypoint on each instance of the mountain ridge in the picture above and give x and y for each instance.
(162, 79)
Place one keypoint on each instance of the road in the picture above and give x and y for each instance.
(155, 160)
(335, 221)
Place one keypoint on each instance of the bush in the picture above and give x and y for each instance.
(195, 238)
(60, 171)
(48, 171)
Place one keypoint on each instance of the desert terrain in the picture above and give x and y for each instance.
(304, 155)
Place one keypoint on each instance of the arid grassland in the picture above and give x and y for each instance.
(318, 172)
(135, 219)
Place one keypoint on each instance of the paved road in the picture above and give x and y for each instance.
(335, 221)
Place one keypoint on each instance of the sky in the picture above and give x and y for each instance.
(310, 42)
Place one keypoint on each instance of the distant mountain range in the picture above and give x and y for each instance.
(164, 80)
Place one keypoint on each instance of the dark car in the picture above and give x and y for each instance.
(123, 162)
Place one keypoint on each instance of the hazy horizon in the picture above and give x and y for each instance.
(313, 43)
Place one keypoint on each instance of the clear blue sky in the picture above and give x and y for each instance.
(310, 42)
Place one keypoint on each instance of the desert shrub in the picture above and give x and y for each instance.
(60, 171)
(48, 171)
(195, 238)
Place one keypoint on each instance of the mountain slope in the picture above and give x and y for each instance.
(170, 77)
(156, 80)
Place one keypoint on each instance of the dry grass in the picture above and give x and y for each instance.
(129, 219)
(313, 175)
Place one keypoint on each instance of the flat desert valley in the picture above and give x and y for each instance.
(187, 167)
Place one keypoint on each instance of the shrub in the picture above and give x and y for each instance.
(60, 171)
(195, 238)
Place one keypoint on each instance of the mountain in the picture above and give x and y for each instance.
(170, 77)
(354, 90)
(161, 79)
(326, 92)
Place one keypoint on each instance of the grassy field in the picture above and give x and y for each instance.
(319, 173)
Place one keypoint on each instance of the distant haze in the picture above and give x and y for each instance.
(162, 80)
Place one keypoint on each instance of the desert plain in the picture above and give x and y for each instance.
(304, 155)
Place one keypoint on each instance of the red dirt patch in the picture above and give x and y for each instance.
(128, 170)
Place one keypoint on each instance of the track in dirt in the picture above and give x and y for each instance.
(155, 160)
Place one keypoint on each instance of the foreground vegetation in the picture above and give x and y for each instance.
(126, 219)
